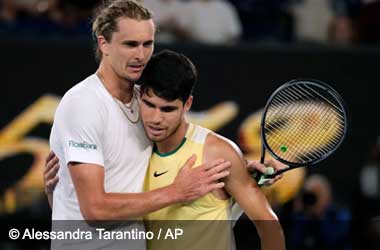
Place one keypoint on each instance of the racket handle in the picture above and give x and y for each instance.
(261, 178)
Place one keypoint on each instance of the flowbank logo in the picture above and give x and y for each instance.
(83, 145)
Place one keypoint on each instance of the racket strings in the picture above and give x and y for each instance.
(331, 112)
(338, 111)
(326, 99)
(303, 124)
(296, 98)
(313, 110)
(308, 141)
(305, 95)
(324, 150)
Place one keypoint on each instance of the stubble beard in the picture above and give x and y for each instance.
(170, 134)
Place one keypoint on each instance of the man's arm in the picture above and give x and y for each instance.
(50, 176)
(240, 185)
(96, 204)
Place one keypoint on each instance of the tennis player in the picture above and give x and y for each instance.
(99, 140)
(166, 96)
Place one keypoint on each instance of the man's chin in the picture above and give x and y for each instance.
(156, 138)
(133, 78)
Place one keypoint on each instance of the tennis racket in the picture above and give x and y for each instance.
(303, 123)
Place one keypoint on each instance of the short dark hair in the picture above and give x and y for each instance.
(170, 75)
(105, 18)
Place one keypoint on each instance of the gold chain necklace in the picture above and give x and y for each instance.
(122, 105)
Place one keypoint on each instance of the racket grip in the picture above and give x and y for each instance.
(261, 178)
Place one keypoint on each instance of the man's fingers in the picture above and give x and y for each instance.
(214, 186)
(50, 164)
(50, 185)
(273, 180)
(275, 164)
(213, 164)
(278, 177)
(218, 176)
(52, 172)
(257, 166)
(49, 156)
(190, 162)
(222, 166)
(53, 182)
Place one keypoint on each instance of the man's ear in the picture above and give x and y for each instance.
(103, 45)
(188, 103)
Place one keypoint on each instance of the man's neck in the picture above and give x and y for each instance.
(120, 88)
(173, 141)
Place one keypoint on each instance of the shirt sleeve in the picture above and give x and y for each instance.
(80, 124)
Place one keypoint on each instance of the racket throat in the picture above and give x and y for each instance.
(262, 157)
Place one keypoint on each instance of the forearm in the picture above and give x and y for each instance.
(117, 206)
(96, 204)
(271, 234)
(259, 211)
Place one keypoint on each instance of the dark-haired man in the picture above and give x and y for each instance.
(166, 96)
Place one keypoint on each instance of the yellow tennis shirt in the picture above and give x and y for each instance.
(204, 221)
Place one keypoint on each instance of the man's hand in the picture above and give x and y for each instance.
(50, 173)
(192, 183)
(255, 165)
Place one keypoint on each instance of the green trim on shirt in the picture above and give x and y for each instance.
(155, 150)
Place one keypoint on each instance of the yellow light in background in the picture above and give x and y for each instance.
(215, 117)
(13, 141)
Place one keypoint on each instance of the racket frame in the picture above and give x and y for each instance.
(264, 143)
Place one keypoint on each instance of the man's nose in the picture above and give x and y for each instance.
(139, 52)
(156, 116)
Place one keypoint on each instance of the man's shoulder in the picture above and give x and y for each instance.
(216, 141)
(197, 133)
(83, 88)
(219, 146)
(88, 92)
(83, 102)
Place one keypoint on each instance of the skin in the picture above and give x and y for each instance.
(163, 120)
(124, 58)
(165, 124)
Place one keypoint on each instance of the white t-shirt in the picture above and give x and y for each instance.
(90, 127)
(212, 22)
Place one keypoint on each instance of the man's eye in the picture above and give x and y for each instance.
(148, 44)
(131, 44)
(168, 109)
(150, 105)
